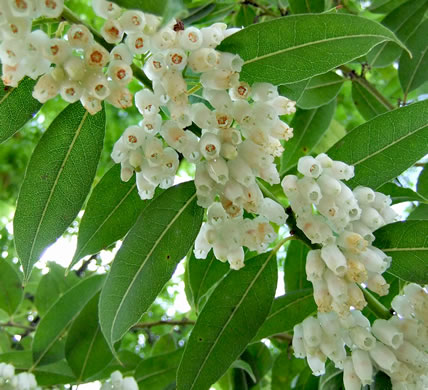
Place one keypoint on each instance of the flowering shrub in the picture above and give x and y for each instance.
(237, 158)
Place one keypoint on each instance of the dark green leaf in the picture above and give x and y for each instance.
(21, 360)
(157, 372)
(301, 53)
(54, 374)
(412, 71)
(407, 244)
(309, 128)
(381, 382)
(17, 107)
(245, 16)
(52, 286)
(422, 186)
(385, 146)
(56, 321)
(385, 6)
(112, 209)
(307, 381)
(203, 274)
(165, 343)
(243, 365)
(334, 133)
(86, 349)
(287, 311)
(260, 360)
(401, 194)
(160, 238)
(294, 91)
(197, 13)
(420, 212)
(294, 267)
(58, 179)
(11, 291)
(128, 363)
(368, 103)
(285, 369)
(332, 379)
(306, 6)
(228, 322)
(168, 9)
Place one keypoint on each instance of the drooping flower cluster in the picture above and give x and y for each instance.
(398, 346)
(118, 382)
(342, 221)
(21, 381)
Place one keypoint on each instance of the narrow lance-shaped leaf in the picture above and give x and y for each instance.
(385, 146)
(385, 6)
(11, 291)
(421, 211)
(228, 322)
(401, 194)
(368, 103)
(56, 321)
(407, 244)
(17, 107)
(294, 267)
(57, 181)
(284, 50)
(112, 209)
(160, 238)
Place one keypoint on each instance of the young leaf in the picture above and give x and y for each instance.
(407, 244)
(157, 372)
(56, 321)
(301, 53)
(285, 370)
(309, 128)
(112, 209)
(160, 238)
(287, 311)
(57, 181)
(11, 291)
(412, 71)
(294, 267)
(86, 349)
(368, 103)
(401, 194)
(306, 6)
(228, 322)
(17, 107)
(385, 146)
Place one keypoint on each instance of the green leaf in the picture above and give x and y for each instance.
(11, 291)
(57, 181)
(301, 53)
(406, 242)
(112, 209)
(245, 16)
(157, 372)
(165, 343)
(227, 323)
(422, 186)
(197, 13)
(294, 267)
(420, 212)
(203, 274)
(401, 194)
(285, 370)
(294, 91)
(367, 102)
(52, 286)
(243, 365)
(385, 6)
(332, 379)
(402, 21)
(160, 238)
(86, 349)
(306, 6)
(260, 360)
(309, 128)
(17, 107)
(54, 374)
(381, 382)
(334, 133)
(385, 146)
(307, 381)
(412, 71)
(287, 311)
(56, 321)
(21, 360)
(126, 363)
(168, 9)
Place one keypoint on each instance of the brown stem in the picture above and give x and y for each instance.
(183, 322)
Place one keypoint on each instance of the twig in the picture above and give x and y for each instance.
(283, 337)
(265, 9)
(84, 266)
(183, 322)
(11, 324)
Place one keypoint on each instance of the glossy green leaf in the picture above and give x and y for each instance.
(227, 323)
(381, 381)
(402, 21)
(59, 317)
(160, 238)
(203, 274)
(157, 372)
(335, 132)
(332, 379)
(57, 181)
(54, 374)
(243, 365)
(259, 358)
(52, 286)
(17, 107)
(385, 6)
(368, 103)
(385, 146)
(420, 212)
(306, 6)
(285, 370)
(301, 53)
(86, 349)
(112, 209)
(309, 128)
(287, 311)
(245, 16)
(412, 72)
(294, 267)
(198, 13)
(11, 291)
(407, 243)
(401, 194)
(21, 360)
(422, 186)
(294, 91)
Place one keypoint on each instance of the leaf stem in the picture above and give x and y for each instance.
(375, 306)
(195, 88)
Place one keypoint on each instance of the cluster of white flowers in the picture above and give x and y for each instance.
(342, 221)
(118, 382)
(10, 381)
(398, 346)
